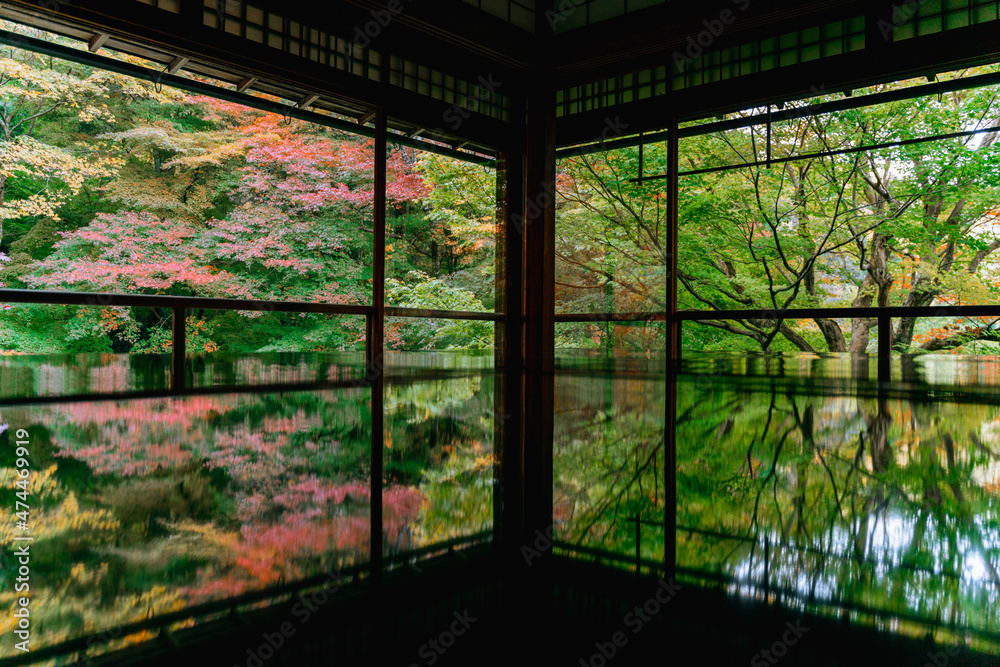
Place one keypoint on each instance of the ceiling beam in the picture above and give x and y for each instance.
(884, 63)
(177, 64)
(435, 34)
(653, 36)
(97, 41)
(202, 88)
(245, 83)
(156, 28)
(307, 100)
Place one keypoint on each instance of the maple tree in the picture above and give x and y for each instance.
(244, 205)
(455, 242)
(52, 113)
(161, 192)
(240, 204)
(36, 177)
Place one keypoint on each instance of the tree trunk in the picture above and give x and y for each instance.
(796, 340)
(878, 437)
(904, 330)
(878, 281)
(832, 333)
(3, 196)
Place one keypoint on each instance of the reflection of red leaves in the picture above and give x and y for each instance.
(400, 504)
(215, 588)
(137, 437)
(290, 528)
(315, 491)
(400, 507)
(268, 551)
(126, 459)
(297, 423)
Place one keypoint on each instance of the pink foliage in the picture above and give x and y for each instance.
(135, 251)
(214, 587)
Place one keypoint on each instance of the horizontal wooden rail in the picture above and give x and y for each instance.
(431, 313)
(834, 313)
(55, 297)
(611, 317)
(110, 299)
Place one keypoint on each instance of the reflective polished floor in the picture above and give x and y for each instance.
(801, 480)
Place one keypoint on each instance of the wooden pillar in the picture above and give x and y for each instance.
(509, 339)
(539, 311)
(178, 351)
(673, 357)
(376, 344)
(884, 348)
(673, 213)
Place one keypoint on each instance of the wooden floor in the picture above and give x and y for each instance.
(460, 611)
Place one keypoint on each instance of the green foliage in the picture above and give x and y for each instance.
(121, 187)
(317, 333)
(427, 292)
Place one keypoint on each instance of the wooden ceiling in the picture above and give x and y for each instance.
(421, 42)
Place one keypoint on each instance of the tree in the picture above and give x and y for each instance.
(454, 237)
(909, 225)
(235, 203)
